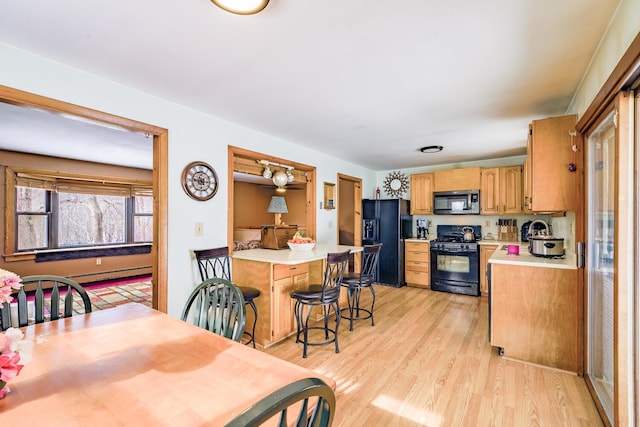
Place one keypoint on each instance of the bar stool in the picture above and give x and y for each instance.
(216, 263)
(325, 295)
(356, 282)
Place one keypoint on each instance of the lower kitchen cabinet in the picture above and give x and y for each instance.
(536, 315)
(416, 269)
(485, 253)
(275, 282)
(286, 279)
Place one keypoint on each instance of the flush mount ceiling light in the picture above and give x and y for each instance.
(432, 149)
(241, 7)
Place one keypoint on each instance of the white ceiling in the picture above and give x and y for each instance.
(366, 81)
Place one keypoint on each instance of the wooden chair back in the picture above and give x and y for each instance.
(54, 297)
(314, 399)
(217, 305)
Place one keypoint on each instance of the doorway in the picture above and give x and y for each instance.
(349, 213)
(160, 179)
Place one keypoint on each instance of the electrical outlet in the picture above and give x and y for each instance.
(330, 224)
(487, 223)
(98, 261)
(199, 229)
(429, 223)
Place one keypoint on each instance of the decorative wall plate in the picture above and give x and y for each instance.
(199, 181)
(396, 184)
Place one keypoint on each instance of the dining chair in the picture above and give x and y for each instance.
(217, 305)
(216, 263)
(53, 297)
(317, 407)
(325, 295)
(356, 282)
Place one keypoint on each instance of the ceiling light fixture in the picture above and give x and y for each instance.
(432, 149)
(280, 179)
(266, 173)
(241, 7)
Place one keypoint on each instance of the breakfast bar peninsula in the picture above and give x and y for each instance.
(276, 273)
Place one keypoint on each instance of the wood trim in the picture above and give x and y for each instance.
(18, 97)
(160, 173)
(624, 261)
(626, 71)
(160, 251)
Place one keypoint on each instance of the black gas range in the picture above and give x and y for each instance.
(455, 262)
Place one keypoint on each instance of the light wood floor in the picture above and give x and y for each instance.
(428, 362)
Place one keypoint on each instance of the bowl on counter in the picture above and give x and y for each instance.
(301, 246)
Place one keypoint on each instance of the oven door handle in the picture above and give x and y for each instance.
(468, 253)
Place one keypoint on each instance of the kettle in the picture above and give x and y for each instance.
(469, 235)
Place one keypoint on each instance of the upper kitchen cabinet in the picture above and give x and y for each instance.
(456, 179)
(421, 194)
(549, 184)
(501, 190)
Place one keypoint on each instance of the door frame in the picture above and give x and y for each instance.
(342, 179)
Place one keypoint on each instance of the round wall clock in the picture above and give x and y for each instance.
(199, 181)
(396, 184)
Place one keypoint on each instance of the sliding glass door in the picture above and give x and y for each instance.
(601, 218)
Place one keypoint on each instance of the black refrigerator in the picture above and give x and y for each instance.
(387, 222)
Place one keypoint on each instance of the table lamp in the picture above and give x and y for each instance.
(277, 206)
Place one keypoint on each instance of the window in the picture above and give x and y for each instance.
(56, 213)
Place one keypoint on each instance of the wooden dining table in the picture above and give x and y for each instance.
(132, 365)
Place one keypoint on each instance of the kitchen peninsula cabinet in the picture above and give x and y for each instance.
(417, 256)
(536, 313)
(421, 194)
(549, 185)
(276, 273)
(286, 279)
(501, 190)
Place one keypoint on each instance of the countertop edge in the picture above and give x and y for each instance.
(527, 260)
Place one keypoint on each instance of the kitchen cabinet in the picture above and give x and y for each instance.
(275, 282)
(501, 190)
(456, 179)
(549, 184)
(286, 279)
(417, 257)
(421, 194)
(536, 315)
(485, 253)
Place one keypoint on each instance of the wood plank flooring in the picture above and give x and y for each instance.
(428, 362)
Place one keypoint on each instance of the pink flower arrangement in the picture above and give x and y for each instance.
(9, 282)
(14, 353)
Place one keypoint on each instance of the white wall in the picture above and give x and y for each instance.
(624, 27)
(192, 136)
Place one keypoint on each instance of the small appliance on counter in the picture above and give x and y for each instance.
(423, 231)
(544, 244)
(539, 227)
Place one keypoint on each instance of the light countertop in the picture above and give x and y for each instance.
(287, 256)
(526, 259)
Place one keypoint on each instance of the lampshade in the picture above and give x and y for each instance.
(277, 205)
(241, 7)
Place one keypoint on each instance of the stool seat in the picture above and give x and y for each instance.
(249, 293)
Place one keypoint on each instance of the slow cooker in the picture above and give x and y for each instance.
(546, 246)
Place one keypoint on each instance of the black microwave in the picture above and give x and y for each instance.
(465, 202)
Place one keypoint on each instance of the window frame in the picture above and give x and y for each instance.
(51, 182)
